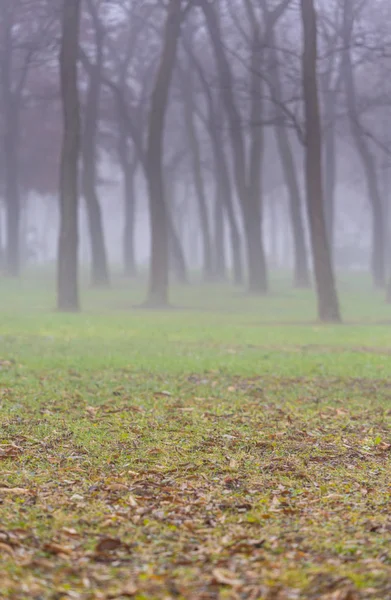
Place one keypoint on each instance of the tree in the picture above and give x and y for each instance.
(99, 271)
(301, 274)
(159, 262)
(363, 148)
(328, 306)
(67, 282)
(24, 34)
(187, 93)
(245, 175)
(213, 122)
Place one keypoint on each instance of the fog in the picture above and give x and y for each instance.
(196, 141)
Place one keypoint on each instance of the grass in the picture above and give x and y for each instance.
(230, 449)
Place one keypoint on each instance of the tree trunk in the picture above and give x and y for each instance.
(176, 253)
(328, 306)
(253, 217)
(12, 198)
(301, 273)
(255, 252)
(67, 277)
(129, 255)
(214, 128)
(274, 254)
(219, 262)
(226, 198)
(330, 174)
(178, 260)
(129, 203)
(11, 107)
(388, 291)
(158, 278)
(99, 271)
(188, 114)
(225, 192)
(249, 196)
(369, 165)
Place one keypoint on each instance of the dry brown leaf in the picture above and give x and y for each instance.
(132, 501)
(346, 594)
(226, 577)
(70, 532)
(10, 451)
(108, 545)
(130, 589)
(54, 548)
(7, 549)
(17, 491)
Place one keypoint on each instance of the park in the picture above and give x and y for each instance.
(231, 449)
(195, 300)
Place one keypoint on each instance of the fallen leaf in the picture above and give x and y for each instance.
(7, 549)
(130, 589)
(70, 532)
(54, 548)
(108, 545)
(16, 491)
(132, 501)
(10, 451)
(92, 410)
(77, 498)
(226, 577)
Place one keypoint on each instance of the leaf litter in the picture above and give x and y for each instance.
(251, 489)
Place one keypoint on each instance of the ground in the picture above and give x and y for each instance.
(232, 448)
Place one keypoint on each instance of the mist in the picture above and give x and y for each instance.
(196, 141)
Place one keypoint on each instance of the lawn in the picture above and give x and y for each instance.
(231, 448)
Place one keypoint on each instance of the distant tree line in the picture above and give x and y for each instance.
(191, 95)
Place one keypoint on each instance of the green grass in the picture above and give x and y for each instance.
(232, 448)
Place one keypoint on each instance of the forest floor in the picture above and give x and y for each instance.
(230, 449)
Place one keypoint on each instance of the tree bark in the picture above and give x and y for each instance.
(67, 276)
(328, 306)
(247, 183)
(12, 195)
(219, 262)
(177, 259)
(99, 266)
(378, 267)
(330, 174)
(251, 215)
(177, 254)
(301, 272)
(188, 114)
(226, 198)
(11, 106)
(158, 278)
(129, 253)
(223, 183)
(129, 199)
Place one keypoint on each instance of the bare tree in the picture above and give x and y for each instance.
(328, 306)
(158, 277)
(364, 150)
(99, 271)
(214, 125)
(67, 290)
(301, 274)
(187, 93)
(24, 33)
